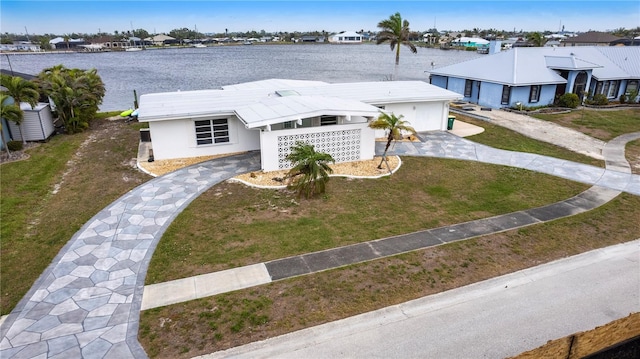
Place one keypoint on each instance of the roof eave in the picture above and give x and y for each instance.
(184, 116)
(300, 116)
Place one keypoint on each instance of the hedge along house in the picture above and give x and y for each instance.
(538, 76)
(272, 115)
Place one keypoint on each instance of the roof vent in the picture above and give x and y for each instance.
(284, 93)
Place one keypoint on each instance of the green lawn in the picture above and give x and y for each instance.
(233, 225)
(503, 138)
(602, 124)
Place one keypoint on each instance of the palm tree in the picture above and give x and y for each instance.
(76, 94)
(310, 172)
(10, 113)
(536, 38)
(395, 125)
(22, 91)
(395, 31)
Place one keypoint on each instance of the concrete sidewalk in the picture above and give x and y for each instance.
(496, 318)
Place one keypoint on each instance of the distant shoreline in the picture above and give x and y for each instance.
(185, 47)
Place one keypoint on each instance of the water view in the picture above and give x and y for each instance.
(167, 70)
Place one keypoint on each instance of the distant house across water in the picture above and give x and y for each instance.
(591, 38)
(60, 43)
(346, 37)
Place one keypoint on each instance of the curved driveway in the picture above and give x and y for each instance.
(87, 302)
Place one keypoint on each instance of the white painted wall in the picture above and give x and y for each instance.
(422, 116)
(269, 142)
(177, 139)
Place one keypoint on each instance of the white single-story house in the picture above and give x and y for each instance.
(346, 37)
(21, 46)
(537, 76)
(272, 115)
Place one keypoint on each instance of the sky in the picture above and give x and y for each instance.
(216, 16)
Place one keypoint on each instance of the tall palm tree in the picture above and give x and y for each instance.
(9, 112)
(395, 126)
(310, 172)
(22, 91)
(395, 31)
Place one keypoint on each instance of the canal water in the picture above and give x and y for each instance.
(167, 70)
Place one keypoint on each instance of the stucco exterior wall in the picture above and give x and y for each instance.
(422, 116)
(491, 95)
(457, 85)
(177, 139)
(440, 81)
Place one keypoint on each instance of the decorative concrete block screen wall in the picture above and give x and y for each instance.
(342, 145)
(345, 143)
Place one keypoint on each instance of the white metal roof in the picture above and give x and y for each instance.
(538, 65)
(627, 58)
(252, 101)
(272, 84)
(569, 63)
(280, 109)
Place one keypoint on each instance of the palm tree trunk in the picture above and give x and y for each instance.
(384, 154)
(24, 141)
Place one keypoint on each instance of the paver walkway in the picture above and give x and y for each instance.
(87, 302)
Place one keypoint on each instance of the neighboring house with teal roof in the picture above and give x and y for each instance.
(537, 76)
(469, 42)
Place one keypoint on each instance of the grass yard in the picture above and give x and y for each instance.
(44, 200)
(503, 138)
(439, 192)
(632, 152)
(603, 124)
(227, 320)
(233, 225)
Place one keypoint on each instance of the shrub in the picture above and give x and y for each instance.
(600, 100)
(569, 100)
(14, 146)
(631, 96)
(623, 98)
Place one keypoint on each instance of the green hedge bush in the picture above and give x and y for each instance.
(569, 100)
(14, 145)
